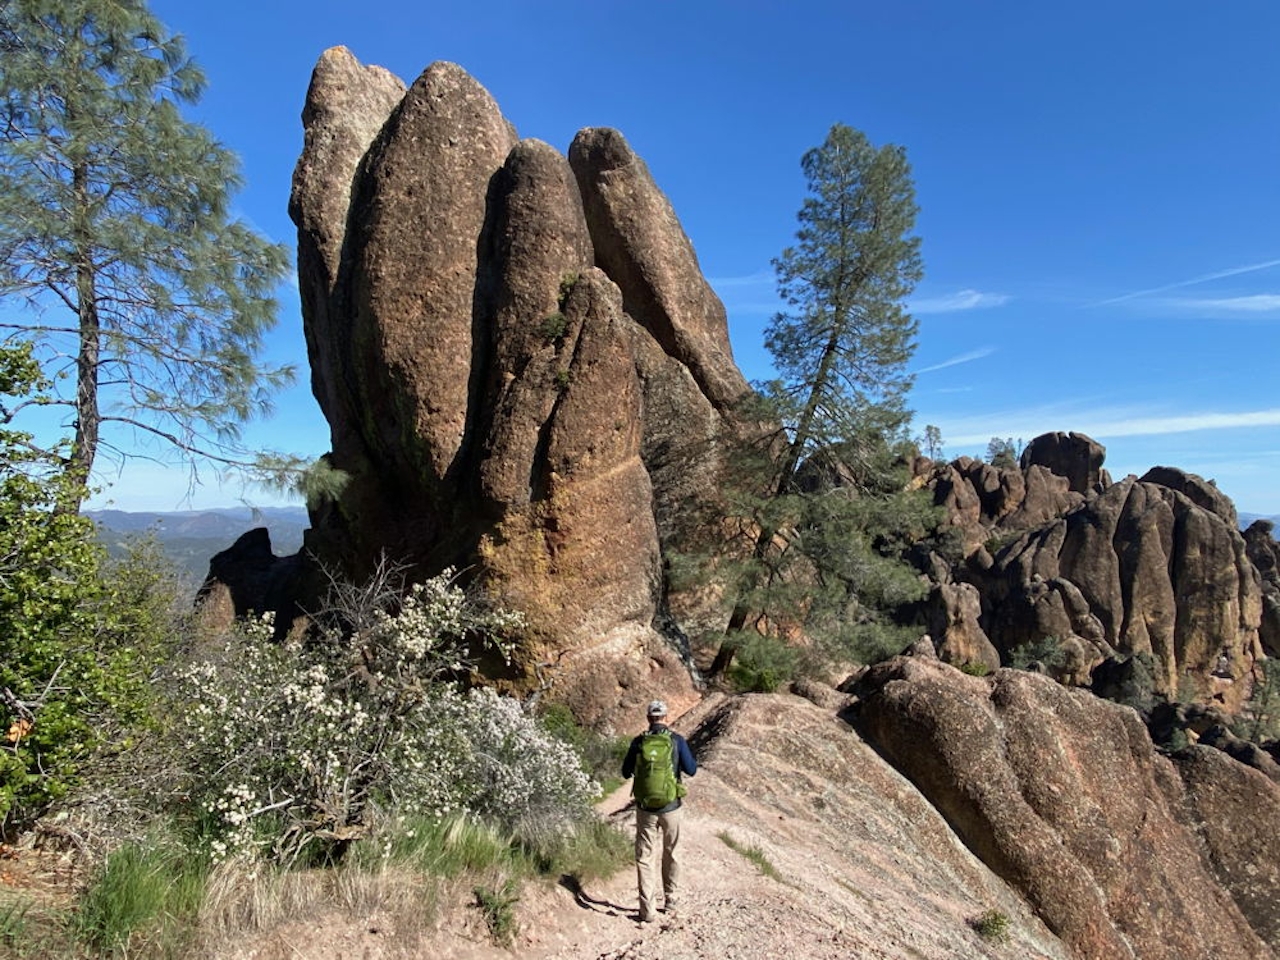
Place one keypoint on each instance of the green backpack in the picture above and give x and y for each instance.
(655, 784)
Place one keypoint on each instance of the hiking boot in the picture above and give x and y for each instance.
(646, 918)
(668, 907)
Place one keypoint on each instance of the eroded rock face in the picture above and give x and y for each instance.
(1149, 572)
(1262, 548)
(1062, 795)
(1236, 811)
(1152, 567)
(524, 371)
(1072, 455)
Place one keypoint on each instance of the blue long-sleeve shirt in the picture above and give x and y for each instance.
(681, 758)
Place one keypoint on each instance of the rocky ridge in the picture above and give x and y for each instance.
(1151, 568)
(525, 372)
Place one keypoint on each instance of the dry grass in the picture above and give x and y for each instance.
(241, 902)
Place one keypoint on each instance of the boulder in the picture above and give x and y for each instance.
(1063, 796)
(1236, 813)
(641, 246)
(955, 609)
(1264, 552)
(248, 579)
(418, 291)
(1072, 455)
(1201, 492)
(347, 104)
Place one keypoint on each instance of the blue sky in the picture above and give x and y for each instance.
(1097, 184)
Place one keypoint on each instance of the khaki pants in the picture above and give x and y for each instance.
(648, 826)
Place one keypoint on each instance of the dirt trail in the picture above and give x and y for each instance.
(868, 869)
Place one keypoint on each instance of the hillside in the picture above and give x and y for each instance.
(191, 537)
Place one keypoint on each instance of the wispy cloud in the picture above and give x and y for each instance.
(960, 300)
(1103, 423)
(1256, 303)
(749, 280)
(1220, 275)
(959, 359)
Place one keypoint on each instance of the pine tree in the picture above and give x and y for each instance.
(834, 497)
(134, 281)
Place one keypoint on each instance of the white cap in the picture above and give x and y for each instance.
(657, 708)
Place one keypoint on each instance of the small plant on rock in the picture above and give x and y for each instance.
(553, 327)
(1046, 651)
(992, 925)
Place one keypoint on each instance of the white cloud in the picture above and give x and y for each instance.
(1101, 424)
(1257, 303)
(750, 280)
(959, 359)
(961, 300)
(1220, 275)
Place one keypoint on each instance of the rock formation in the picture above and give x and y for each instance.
(527, 376)
(1151, 568)
(524, 371)
(1063, 796)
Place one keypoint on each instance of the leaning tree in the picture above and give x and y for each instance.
(828, 493)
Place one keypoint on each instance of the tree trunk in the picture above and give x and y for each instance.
(724, 656)
(88, 415)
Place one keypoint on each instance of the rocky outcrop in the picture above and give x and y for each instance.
(248, 579)
(525, 373)
(1264, 552)
(1074, 456)
(1236, 813)
(1152, 568)
(1063, 796)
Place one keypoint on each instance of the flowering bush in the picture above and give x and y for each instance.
(290, 745)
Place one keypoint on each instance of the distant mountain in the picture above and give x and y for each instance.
(191, 537)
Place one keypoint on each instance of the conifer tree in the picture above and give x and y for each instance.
(120, 260)
(833, 496)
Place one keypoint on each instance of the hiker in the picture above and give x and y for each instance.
(658, 759)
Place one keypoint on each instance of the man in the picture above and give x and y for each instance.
(658, 806)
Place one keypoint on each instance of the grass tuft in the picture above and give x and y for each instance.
(497, 904)
(754, 854)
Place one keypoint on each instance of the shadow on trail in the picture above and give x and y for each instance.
(587, 902)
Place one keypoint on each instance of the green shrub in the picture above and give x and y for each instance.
(601, 756)
(562, 380)
(80, 637)
(291, 747)
(553, 327)
(497, 906)
(1045, 650)
(992, 925)
(567, 282)
(763, 664)
(1260, 719)
(975, 668)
